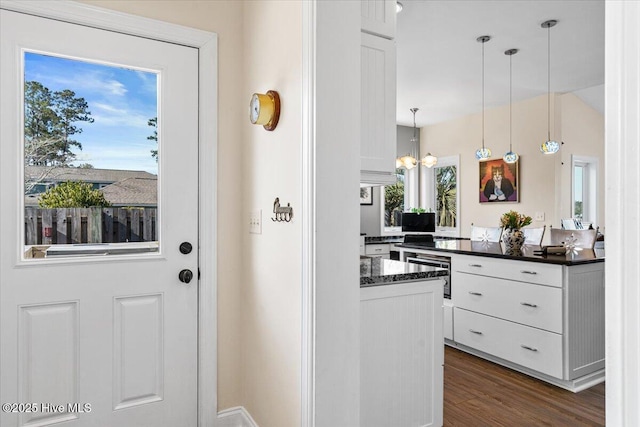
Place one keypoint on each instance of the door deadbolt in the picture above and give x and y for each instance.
(186, 248)
(185, 276)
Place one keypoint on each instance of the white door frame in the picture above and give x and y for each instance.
(207, 45)
(622, 136)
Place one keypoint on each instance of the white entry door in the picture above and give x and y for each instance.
(97, 332)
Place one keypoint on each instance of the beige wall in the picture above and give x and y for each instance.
(583, 135)
(544, 180)
(271, 292)
(259, 303)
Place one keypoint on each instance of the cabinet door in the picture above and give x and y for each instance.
(401, 354)
(379, 17)
(378, 110)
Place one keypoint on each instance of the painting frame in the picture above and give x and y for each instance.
(366, 195)
(505, 188)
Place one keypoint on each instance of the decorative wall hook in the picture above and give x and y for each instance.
(282, 213)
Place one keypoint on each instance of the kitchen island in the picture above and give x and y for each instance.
(401, 343)
(540, 315)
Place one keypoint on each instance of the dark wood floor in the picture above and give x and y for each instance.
(480, 393)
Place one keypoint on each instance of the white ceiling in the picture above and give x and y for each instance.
(440, 61)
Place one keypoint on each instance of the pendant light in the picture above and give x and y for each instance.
(510, 156)
(429, 160)
(483, 153)
(409, 162)
(549, 146)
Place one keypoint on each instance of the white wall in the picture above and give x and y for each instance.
(270, 263)
(544, 182)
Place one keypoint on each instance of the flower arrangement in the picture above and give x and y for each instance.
(513, 220)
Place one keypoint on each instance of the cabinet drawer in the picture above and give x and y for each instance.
(529, 347)
(533, 305)
(523, 271)
(377, 249)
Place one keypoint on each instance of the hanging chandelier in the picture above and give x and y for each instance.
(409, 162)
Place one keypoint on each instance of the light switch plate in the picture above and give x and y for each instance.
(255, 221)
(539, 216)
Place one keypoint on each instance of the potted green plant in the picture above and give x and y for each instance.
(513, 237)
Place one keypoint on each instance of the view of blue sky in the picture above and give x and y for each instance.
(121, 102)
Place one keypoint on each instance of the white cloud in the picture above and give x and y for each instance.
(110, 115)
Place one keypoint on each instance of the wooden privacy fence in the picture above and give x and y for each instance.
(89, 225)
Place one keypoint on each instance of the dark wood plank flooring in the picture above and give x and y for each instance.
(480, 393)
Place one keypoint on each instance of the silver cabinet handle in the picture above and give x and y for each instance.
(475, 332)
(528, 304)
(526, 347)
(475, 265)
(378, 250)
(528, 272)
(475, 293)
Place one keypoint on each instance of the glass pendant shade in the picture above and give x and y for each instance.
(429, 160)
(510, 157)
(550, 147)
(483, 153)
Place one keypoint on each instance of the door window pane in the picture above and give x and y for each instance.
(90, 158)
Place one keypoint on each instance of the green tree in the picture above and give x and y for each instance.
(393, 201)
(154, 124)
(72, 194)
(49, 126)
(446, 194)
(69, 109)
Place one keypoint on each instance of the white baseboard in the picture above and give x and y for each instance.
(235, 417)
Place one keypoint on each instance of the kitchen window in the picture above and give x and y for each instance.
(441, 195)
(584, 189)
(397, 198)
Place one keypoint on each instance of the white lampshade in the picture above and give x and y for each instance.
(408, 162)
(429, 160)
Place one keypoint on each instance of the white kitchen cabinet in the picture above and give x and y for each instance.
(401, 354)
(379, 17)
(378, 110)
(546, 320)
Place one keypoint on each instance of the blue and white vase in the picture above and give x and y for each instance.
(513, 240)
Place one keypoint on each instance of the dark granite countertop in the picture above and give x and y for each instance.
(496, 250)
(377, 271)
(372, 240)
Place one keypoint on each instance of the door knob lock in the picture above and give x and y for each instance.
(185, 276)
